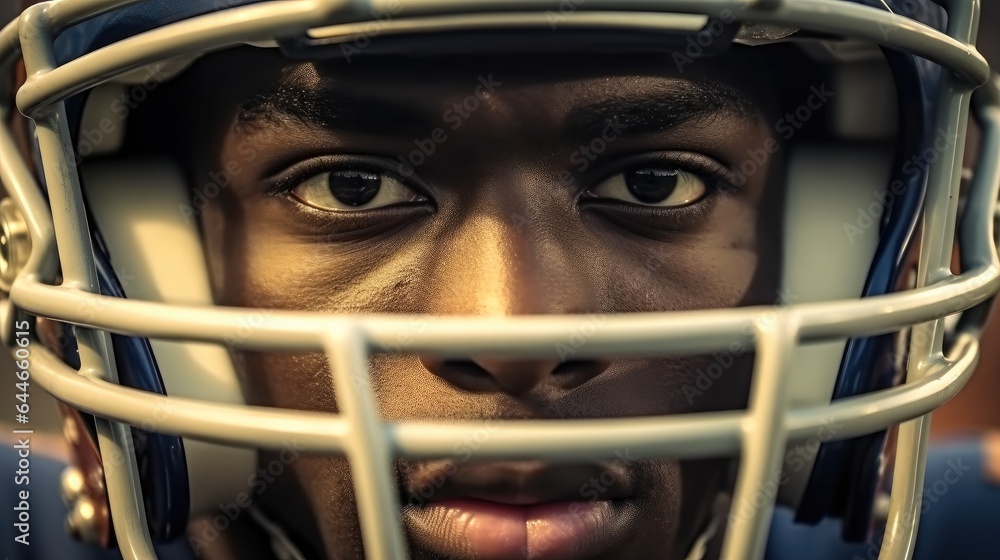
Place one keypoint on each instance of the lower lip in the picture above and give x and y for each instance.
(493, 531)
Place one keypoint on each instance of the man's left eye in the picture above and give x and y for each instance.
(352, 190)
(661, 187)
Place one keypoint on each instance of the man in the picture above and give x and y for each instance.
(495, 182)
(479, 221)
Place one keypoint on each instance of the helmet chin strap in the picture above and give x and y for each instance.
(700, 546)
(281, 545)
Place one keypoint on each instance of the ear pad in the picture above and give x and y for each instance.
(844, 475)
(154, 253)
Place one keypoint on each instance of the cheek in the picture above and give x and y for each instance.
(298, 381)
(338, 517)
(329, 495)
(727, 263)
(251, 263)
(404, 389)
(257, 261)
(266, 260)
(714, 268)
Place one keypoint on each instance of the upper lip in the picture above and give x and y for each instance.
(517, 483)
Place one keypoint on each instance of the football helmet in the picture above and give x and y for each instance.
(145, 348)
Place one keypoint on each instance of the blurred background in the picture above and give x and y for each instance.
(974, 409)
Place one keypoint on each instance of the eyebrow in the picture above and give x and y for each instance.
(674, 106)
(324, 105)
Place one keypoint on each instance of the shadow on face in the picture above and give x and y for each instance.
(492, 186)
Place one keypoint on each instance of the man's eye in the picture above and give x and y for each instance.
(354, 190)
(662, 187)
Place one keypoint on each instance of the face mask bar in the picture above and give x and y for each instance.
(370, 444)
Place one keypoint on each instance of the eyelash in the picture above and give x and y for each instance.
(718, 178)
(291, 178)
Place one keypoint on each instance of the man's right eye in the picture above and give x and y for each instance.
(665, 187)
(353, 190)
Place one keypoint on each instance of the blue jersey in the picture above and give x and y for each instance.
(960, 517)
(47, 537)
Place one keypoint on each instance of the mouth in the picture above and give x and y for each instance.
(501, 511)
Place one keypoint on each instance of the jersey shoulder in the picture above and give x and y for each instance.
(37, 513)
(959, 515)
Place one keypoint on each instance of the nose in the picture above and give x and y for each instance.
(516, 377)
(492, 264)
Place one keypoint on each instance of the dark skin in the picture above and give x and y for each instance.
(488, 225)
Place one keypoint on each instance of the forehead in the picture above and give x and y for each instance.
(747, 76)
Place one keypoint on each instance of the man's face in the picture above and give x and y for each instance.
(494, 186)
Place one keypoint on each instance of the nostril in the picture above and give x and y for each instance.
(573, 373)
(572, 366)
(464, 374)
(470, 368)
(517, 377)
(465, 367)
